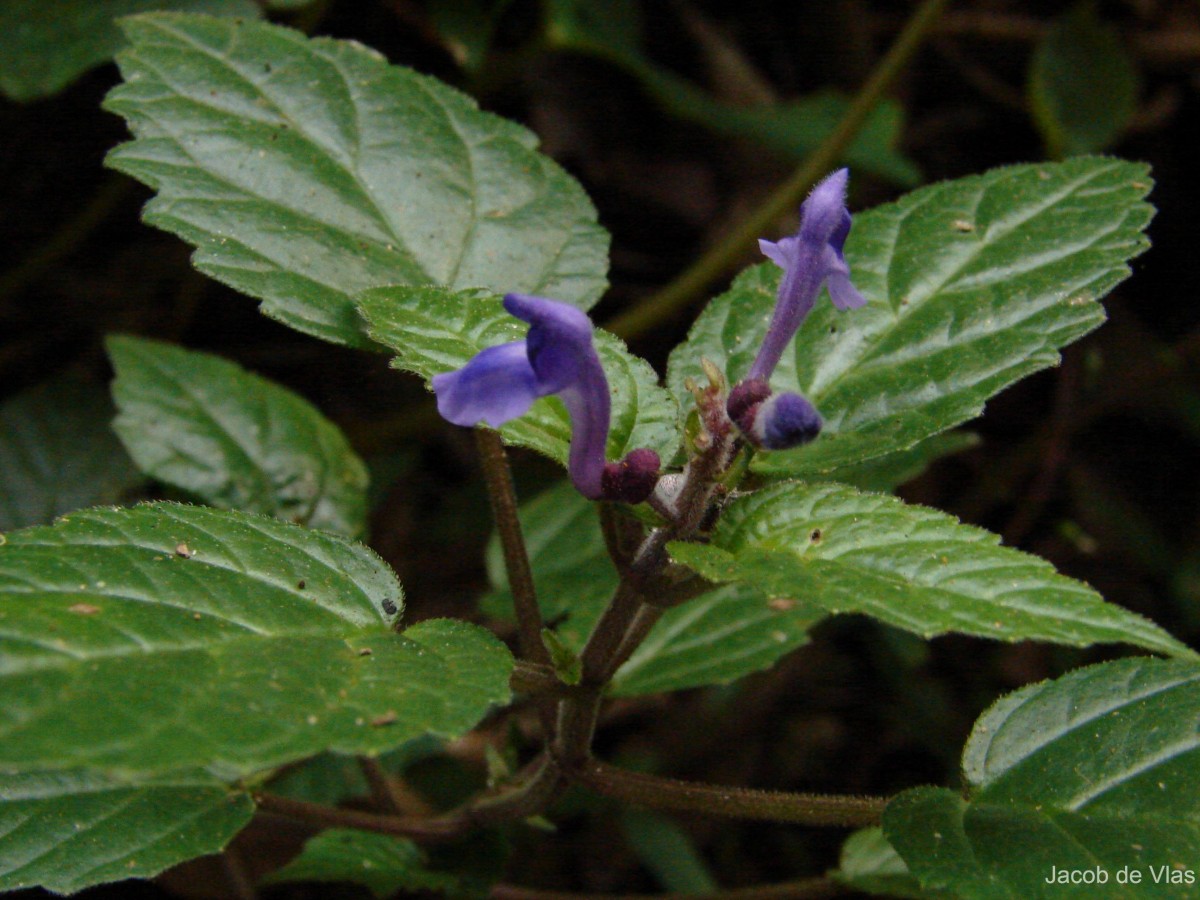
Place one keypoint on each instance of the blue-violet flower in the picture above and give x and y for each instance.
(556, 357)
(810, 258)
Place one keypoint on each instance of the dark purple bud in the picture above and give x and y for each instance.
(744, 401)
(632, 479)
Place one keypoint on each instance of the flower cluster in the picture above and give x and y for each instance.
(558, 357)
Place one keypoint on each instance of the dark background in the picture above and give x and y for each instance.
(1092, 465)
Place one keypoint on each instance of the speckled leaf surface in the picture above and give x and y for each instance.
(1095, 772)
(233, 439)
(909, 566)
(972, 285)
(166, 636)
(68, 830)
(304, 170)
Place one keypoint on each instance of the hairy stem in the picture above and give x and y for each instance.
(742, 803)
(494, 461)
(437, 828)
(720, 259)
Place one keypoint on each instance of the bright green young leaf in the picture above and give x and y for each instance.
(381, 863)
(973, 284)
(307, 170)
(168, 636)
(1083, 85)
(68, 830)
(611, 31)
(871, 865)
(1096, 771)
(233, 439)
(58, 453)
(435, 331)
(909, 566)
(44, 46)
(716, 638)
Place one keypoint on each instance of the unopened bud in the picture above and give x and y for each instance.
(632, 479)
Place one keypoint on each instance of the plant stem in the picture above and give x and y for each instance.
(496, 472)
(743, 803)
(383, 791)
(723, 256)
(439, 828)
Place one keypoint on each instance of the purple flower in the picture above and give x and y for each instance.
(557, 357)
(810, 258)
(772, 421)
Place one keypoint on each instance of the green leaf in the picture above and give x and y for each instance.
(611, 31)
(466, 27)
(668, 852)
(68, 830)
(435, 331)
(886, 473)
(383, 864)
(909, 566)
(233, 439)
(1097, 771)
(306, 170)
(871, 865)
(167, 636)
(45, 46)
(973, 284)
(1083, 85)
(716, 638)
(58, 453)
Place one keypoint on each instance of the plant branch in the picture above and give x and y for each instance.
(437, 828)
(720, 259)
(494, 461)
(742, 803)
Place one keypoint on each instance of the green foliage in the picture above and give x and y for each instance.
(58, 453)
(973, 283)
(307, 170)
(667, 851)
(611, 31)
(908, 566)
(435, 331)
(381, 863)
(884, 474)
(44, 46)
(233, 439)
(871, 865)
(1098, 770)
(716, 638)
(185, 636)
(67, 830)
(466, 27)
(1083, 85)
